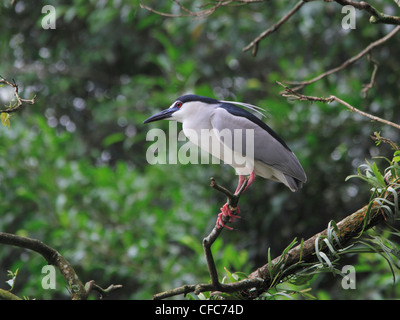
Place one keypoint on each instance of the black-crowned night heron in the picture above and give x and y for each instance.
(237, 137)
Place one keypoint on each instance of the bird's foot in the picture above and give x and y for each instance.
(227, 212)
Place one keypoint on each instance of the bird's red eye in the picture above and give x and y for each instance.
(178, 104)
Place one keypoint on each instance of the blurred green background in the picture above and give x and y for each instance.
(73, 170)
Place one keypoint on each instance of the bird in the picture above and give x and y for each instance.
(248, 144)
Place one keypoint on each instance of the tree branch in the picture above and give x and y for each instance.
(302, 84)
(273, 28)
(92, 286)
(291, 93)
(213, 6)
(377, 137)
(20, 101)
(77, 289)
(232, 200)
(349, 228)
(7, 295)
(261, 279)
(376, 16)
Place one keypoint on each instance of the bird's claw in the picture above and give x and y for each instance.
(227, 212)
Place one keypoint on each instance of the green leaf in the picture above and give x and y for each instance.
(5, 119)
(378, 175)
(231, 278)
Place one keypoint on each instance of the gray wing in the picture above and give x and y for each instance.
(267, 149)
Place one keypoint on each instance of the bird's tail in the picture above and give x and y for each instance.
(293, 183)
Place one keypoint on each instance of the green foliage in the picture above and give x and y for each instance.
(73, 171)
(381, 189)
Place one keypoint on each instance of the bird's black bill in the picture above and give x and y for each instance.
(165, 114)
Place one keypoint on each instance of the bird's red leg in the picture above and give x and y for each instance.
(240, 183)
(225, 211)
(239, 186)
(251, 180)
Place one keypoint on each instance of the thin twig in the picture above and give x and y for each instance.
(302, 84)
(201, 14)
(377, 137)
(20, 101)
(367, 87)
(92, 286)
(376, 16)
(273, 28)
(213, 6)
(291, 93)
